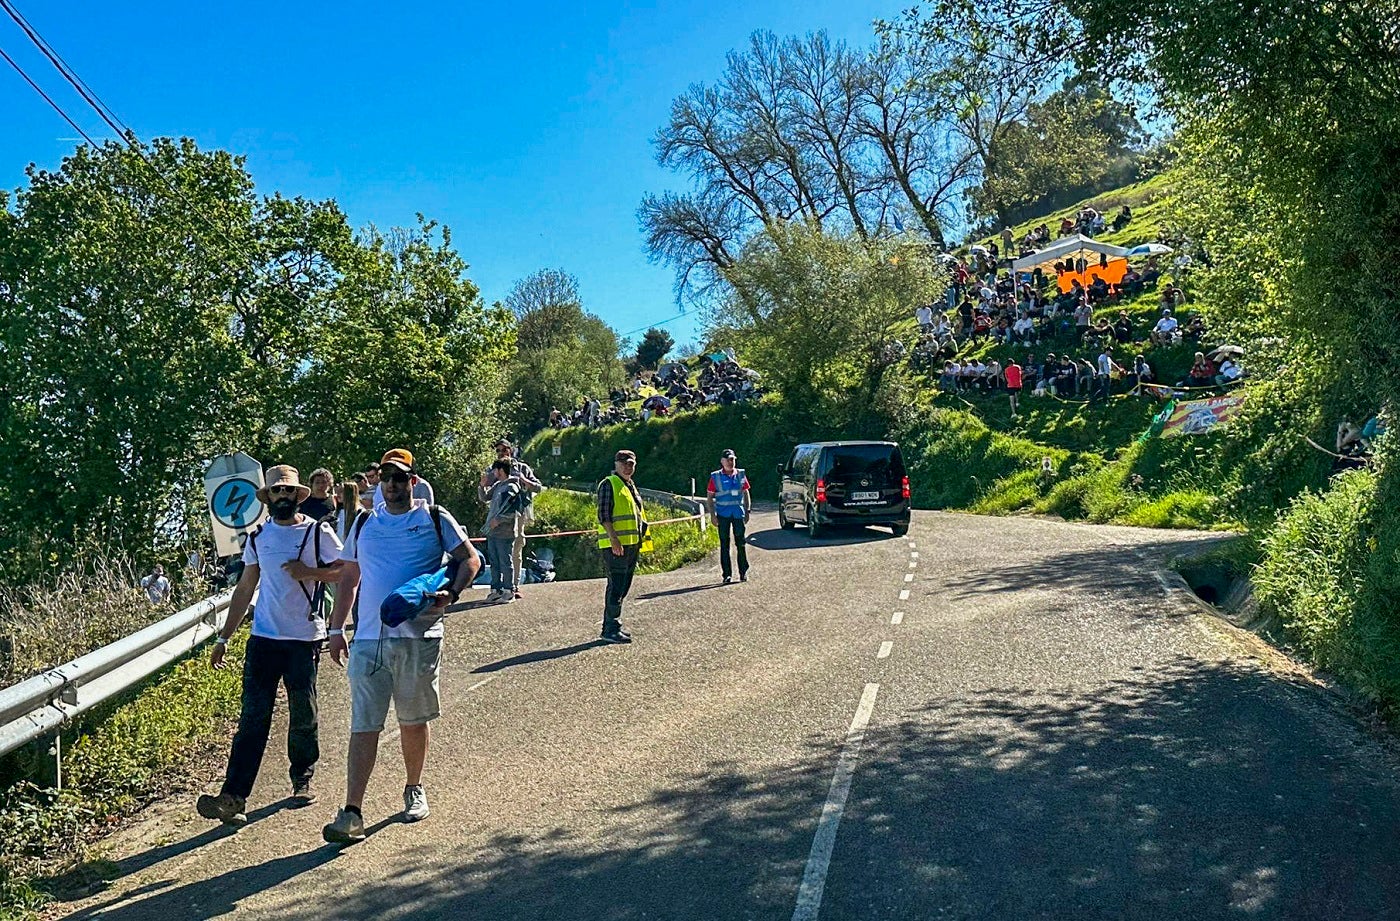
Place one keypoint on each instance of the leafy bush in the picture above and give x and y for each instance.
(1316, 576)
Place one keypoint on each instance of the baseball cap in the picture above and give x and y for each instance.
(399, 457)
(727, 452)
(625, 454)
(502, 443)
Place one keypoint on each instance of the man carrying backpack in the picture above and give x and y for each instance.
(524, 477)
(285, 560)
(398, 542)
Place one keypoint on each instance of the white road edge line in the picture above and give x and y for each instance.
(908, 577)
(897, 618)
(885, 648)
(483, 681)
(904, 595)
(809, 894)
(914, 555)
(913, 564)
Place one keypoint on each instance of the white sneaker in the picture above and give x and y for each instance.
(348, 827)
(415, 804)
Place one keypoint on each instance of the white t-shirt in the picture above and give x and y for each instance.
(392, 549)
(421, 490)
(923, 316)
(283, 610)
(1166, 325)
(157, 588)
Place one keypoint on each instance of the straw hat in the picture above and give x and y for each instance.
(283, 475)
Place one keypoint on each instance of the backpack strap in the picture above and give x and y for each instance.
(435, 512)
(253, 537)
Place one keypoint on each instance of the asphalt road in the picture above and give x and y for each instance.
(1049, 734)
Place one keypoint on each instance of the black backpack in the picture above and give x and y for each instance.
(315, 596)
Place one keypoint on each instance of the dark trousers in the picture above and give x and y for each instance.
(620, 571)
(265, 663)
(734, 526)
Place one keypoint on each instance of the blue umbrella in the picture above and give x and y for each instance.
(1150, 249)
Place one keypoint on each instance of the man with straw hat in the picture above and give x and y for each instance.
(285, 560)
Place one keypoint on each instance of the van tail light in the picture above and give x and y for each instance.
(821, 490)
(905, 487)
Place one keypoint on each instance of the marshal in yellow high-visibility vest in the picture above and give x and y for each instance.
(629, 518)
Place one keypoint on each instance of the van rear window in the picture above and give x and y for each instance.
(880, 461)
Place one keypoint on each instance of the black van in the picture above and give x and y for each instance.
(829, 484)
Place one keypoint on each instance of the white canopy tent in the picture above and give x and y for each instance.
(1066, 246)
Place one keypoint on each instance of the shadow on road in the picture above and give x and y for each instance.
(1193, 790)
(797, 539)
(540, 655)
(1098, 570)
(680, 591)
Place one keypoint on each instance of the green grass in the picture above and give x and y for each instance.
(577, 557)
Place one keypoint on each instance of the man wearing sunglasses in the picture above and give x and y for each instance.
(401, 540)
(285, 560)
(622, 527)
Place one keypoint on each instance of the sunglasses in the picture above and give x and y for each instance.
(393, 476)
(282, 490)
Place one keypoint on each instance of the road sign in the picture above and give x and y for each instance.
(231, 485)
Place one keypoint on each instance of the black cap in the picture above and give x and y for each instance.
(727, 452)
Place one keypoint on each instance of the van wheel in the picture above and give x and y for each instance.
(814, 530)
(900, 528)
(783, 522)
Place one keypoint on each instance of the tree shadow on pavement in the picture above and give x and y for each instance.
(1074, 571)
(1192, 790)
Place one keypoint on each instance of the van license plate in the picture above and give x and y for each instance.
(864, 496)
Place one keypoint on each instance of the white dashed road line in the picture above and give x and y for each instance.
(904, 595)
(913, 565)
(809, 894)
(885, 649)
(897, 618)
(908, 577)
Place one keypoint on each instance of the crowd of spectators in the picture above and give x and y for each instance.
(986, 301)
(716, 379)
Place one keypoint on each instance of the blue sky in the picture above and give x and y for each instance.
(525, 127)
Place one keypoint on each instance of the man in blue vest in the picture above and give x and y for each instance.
(622, 528)
(730, 505)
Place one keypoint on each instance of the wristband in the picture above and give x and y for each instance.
(220, 641)
(336, 632)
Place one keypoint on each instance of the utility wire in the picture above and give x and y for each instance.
(123, 131)
(38, 89)
(656, 323)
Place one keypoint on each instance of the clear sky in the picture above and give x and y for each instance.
(525, 127)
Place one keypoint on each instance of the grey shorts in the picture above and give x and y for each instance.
(404, 670)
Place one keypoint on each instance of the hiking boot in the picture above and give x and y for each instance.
(225, 808)
(346, 829)
(743, 577)
(302, 794)
(415, 803)
(616, 635)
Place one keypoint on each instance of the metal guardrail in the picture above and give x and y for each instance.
(39, 706)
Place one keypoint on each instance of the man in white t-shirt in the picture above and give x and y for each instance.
(400, 540)
(285, 560)
(924, 317)
(1165, 330)
(157, 586)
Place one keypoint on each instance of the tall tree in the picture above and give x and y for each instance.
(653, 347)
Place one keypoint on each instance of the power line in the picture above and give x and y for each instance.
(38, 89)
(656, 323)
(123, 131)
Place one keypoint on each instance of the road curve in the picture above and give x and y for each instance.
(992, 718)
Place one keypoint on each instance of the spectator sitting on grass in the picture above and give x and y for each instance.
(948, 380)
(1098, 290)
(1132, 283)
(1195, 328)
(1122, 218)
(1165, 332)
(1084, 374)
(981, 326)
(1141, 373)
(1202, 373)
(1123, 329)
(924, 317)
(1100, 332)
(991, 376)
(1023, 330)
(1230, 371)
(1002, 332)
